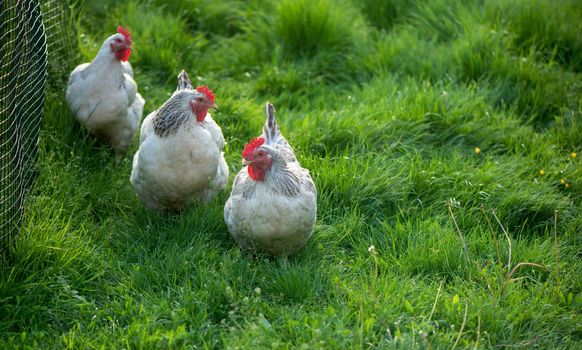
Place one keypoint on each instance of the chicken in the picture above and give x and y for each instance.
(273, 203)
(180, 157)
(102, 94)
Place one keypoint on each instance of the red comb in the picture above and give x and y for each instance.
(123, 31)
(206, 91)
(251, 146)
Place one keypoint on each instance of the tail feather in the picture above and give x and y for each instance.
(271, 129)
(273, 136)
(184, 82)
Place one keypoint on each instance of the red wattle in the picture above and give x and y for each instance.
(256, 174)
(123, 55)
(201, 115)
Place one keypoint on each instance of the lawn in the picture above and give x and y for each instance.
(444, 138)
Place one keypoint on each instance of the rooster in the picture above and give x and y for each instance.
(273, 202)
(102, 94)
(180, 157)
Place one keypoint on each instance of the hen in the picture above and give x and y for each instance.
(273, 203)
(103, 96)
(180, 156)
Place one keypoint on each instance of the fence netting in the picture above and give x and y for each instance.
(34, 36)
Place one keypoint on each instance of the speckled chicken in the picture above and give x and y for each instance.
(273, 203)
(102, 94)
(180, 157)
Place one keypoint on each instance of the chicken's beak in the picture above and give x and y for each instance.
(213, 105)
(247, 162)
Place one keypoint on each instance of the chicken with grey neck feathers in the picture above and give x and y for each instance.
(273, 203)
(180, 157)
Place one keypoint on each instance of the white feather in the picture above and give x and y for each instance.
(277, 214)
(103, 97)
(270, 222)
(168, 172)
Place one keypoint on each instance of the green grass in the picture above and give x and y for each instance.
(385, 102)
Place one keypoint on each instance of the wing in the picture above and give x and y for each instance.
(130, 88)
(75, 95)
(135, 111)
(76, 75)
(243, 185)
(147, 127)
(307, 183)
(219, 182)
(214, 130)
(127, 68)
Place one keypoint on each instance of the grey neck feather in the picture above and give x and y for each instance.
(172, 115)
(280, 178)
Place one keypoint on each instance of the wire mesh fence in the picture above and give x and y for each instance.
(61, 41)
(34, 36)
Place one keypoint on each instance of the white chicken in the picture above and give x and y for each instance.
(102, 94)
(180, 157)
(273, 203)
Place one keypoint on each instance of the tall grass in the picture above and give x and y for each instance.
(408, 114)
